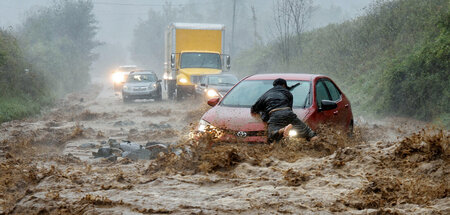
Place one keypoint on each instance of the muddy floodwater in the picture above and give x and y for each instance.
(390, 166)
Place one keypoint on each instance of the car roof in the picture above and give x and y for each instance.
(286, 76)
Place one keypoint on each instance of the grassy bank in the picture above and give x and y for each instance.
(391, 61)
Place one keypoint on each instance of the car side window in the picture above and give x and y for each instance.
(321, 93)
(334, 92)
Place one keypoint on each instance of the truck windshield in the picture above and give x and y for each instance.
(246, 93)
(200, 60)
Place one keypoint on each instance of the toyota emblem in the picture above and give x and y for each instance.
(241, 134)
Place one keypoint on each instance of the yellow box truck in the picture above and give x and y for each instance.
(192, 50)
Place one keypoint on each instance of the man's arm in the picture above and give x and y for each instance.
(259, 105)
(291, 100)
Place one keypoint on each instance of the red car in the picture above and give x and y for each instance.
(317, 100)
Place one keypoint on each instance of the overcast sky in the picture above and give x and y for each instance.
(117, 18)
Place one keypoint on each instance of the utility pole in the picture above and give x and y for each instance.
(232, 30)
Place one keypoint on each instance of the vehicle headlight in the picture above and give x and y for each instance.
(154, 85)
(293, 133)
(183, 80)
(212, 93)
(202, 125)
(165, 76)
(118, 77)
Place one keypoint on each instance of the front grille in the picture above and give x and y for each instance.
(248, 133)
(196, 79)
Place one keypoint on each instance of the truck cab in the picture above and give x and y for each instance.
(193, 50)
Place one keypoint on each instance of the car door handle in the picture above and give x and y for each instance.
(346, 106)
(335, 113)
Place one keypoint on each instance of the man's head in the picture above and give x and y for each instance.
(280, 82)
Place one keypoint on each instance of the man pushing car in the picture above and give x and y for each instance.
(275, 108)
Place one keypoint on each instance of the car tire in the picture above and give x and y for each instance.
(158, 97)
(126, 100)
(179, 95)
(350, 130)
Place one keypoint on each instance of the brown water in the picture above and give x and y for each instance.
(391, 166)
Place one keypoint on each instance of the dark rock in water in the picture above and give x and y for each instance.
(151, 143)
(113, 143)
(103, 142)
(116, 151)
(124, 123)
(140, 154)
(128, 146)
(103, 152)
(112, 158)
(177, 151)
(156, 149)
(88, 145)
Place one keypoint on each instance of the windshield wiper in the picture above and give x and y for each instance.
(306, 99)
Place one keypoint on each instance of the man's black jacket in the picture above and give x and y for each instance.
(277, 97)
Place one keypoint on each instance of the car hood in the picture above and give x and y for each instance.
(139, 84)
(239, 118)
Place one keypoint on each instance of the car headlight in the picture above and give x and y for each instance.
(212, 93)
(118, 77)
(202, 125)
(183, 80)
(154, 85)
(293, 133)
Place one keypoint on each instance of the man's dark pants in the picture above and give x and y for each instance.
(282, 118)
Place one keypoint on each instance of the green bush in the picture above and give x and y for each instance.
(391, 61)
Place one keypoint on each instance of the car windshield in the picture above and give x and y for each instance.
(200, 60)
(247, 92)
(222, 80)
(133, 78)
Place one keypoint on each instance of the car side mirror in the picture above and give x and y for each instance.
(172, 61)
(328, 105)
(213, 102)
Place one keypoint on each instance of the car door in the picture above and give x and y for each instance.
(342, 111)
(321, 93)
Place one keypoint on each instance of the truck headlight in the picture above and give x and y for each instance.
(183, 80)
(202, 125)
(293, 133)
(212, 93)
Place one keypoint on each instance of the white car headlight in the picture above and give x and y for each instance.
(118, 77)
(212, 93)
(293, 133)
(202, 125)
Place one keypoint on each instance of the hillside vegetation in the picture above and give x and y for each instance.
(391, 61)
(47, 57)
